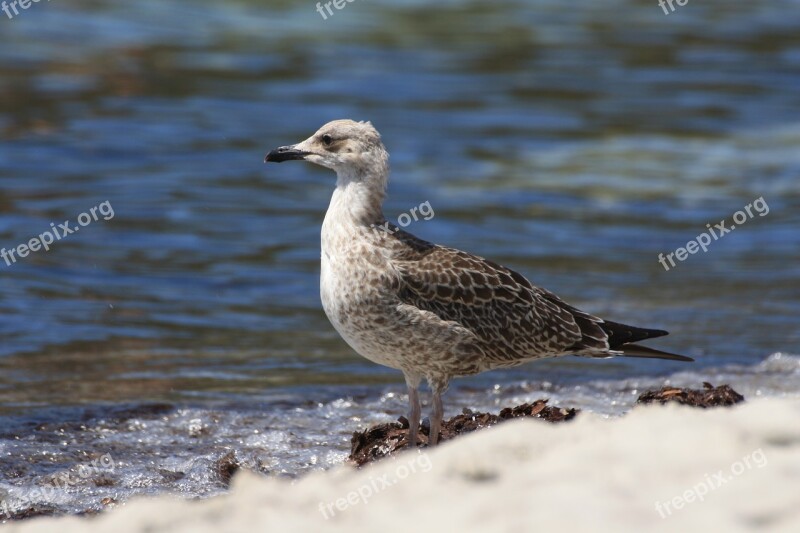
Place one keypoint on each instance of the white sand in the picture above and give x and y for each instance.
(590, 474)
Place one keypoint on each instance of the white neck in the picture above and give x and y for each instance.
(354, 208)
(356, 204)
(359, 194)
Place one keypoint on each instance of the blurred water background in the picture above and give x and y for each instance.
(572, 141)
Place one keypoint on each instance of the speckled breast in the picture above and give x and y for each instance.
(355, 283)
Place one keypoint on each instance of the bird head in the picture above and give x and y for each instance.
(352, 149)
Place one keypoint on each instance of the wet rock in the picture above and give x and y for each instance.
(384, 439)
(225, 467)
(710, 396)
(104, 481)
(170, 476)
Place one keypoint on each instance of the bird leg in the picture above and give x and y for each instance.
(436, 419)
(414, 411)
(437, 388)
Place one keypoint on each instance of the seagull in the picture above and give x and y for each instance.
(427, 310)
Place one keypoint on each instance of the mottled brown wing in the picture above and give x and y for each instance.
(514, 319)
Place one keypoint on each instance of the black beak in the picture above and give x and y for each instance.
(285, 153)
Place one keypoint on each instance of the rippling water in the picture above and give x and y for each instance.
(572, 142)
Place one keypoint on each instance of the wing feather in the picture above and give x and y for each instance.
(514, 319)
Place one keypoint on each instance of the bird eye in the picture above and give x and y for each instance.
(327, 140)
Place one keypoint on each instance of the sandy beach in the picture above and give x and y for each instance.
(662, 468)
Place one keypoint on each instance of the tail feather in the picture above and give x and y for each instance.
(622, 337)
(635, 350)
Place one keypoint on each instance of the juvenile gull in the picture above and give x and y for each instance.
(427, 310)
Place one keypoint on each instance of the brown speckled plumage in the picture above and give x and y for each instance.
(430, 311)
